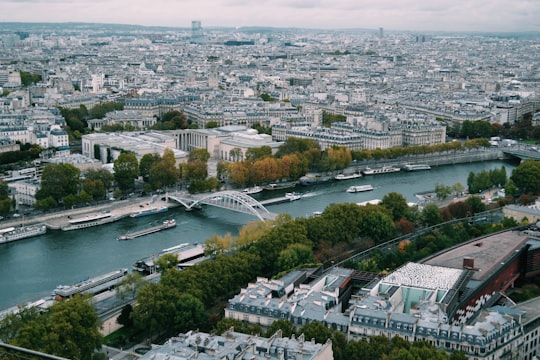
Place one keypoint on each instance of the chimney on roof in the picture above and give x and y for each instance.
(468, 263)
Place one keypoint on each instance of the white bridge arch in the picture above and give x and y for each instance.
(232, 200)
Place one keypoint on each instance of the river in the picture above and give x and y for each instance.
(33, 267)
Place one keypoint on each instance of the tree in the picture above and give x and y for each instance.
(94, 188)
(166, 262)
(241, 326)
(166, 308)
(263, 170)
(295, 255)
(236, 154)
(266, 97)
(317, 331)
(102, 175)
(218, 244)
(199, 154)
(476, 204)
(292, 167)
(126, 170)
(125, 316)
(258, 153)
(459, 210)
(164, 172)
(442, 191)
(238, 173)
(376, 223)
(59, 180)
(286, 327)
(527, 176)
(295, 145)
(396, 203)
(431, 215)
(130, 285)
(68, 329)
(146, 163)
(5, 202)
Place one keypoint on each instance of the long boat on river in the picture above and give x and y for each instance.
(91, 286)
(101, 218)
(167, 224)
(184, 252)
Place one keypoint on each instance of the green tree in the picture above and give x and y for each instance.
(199, 154)
(295, 255)
(510, 188)
(125, 316)
(266, 97)
(59, 180)
(5, 202)
(317, 331)
(102, 175)
(396, 203)
(166, 262)
(241, 326)
(94, 188)
(146, 163)
(126, 170)
(476, 204)
(165, 308)
(46, 203)
(236, 154)
(130, 285)
(258, 153)
(498, 176)
(68, 329)
(28, 78)
(527, 176)
(376, 223)
(431, 215)
(442, 191)
(295, 145)
(286, 327)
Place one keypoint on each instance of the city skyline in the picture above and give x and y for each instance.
(408, 15)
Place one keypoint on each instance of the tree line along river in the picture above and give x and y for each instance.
(33, 267)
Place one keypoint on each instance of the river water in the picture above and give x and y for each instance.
(33, 267)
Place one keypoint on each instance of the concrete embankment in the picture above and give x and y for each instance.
(438, 159)
(118, 209)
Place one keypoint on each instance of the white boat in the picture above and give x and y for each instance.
(359, 188)
(416, 167)
(90, 221)
(382, 170)
(347, 176)
(292, 196)
(252, 190)
(22, 232)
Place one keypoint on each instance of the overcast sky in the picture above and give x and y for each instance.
(416, 15)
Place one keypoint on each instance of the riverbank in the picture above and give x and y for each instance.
(118, 209)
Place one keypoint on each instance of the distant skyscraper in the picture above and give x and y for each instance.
(197, 35)
(381, 33)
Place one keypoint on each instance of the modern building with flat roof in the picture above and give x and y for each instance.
(106, 147)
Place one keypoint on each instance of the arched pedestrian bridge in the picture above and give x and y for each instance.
(232, 200)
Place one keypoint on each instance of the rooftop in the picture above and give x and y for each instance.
(487, 252)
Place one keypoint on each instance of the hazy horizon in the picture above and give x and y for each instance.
(406, 15)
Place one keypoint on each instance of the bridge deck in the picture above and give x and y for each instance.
(231, 200)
